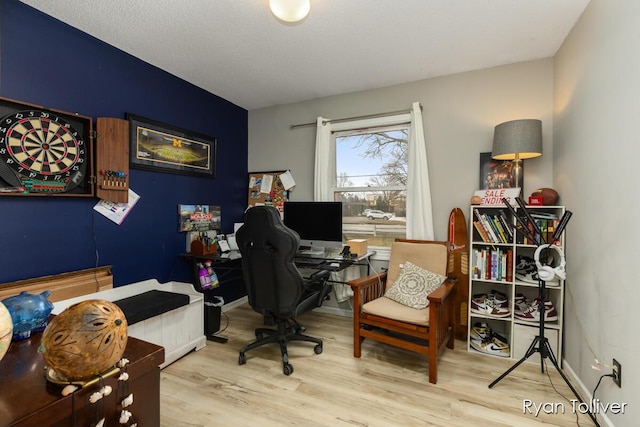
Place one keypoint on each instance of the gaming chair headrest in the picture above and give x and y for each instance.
(263, 223)
(548, 272)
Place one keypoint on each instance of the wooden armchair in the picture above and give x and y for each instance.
(425, 331)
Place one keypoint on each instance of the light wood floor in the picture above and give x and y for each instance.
(386, 387)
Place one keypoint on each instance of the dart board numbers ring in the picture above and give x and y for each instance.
(43, 151)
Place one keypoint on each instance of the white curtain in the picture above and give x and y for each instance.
(419, 215)
(325, 166)
(323, 191)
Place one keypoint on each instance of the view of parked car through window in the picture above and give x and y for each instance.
(371, 178)
(375, 214)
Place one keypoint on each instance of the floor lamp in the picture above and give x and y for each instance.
(517, 140)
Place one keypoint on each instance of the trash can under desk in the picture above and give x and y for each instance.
(212, 314)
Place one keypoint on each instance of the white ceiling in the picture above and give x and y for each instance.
(237, 50)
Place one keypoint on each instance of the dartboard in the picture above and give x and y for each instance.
(43, 150)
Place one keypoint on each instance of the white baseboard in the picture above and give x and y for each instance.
(586, 393)
(234, 304)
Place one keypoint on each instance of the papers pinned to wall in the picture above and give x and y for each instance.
(266, 183)
(270, 188)
(287, 180)
(117, 212)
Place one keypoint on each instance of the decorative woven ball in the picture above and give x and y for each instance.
(85, 340)
(6, 330)
(549, 196)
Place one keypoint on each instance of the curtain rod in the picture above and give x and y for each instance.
(345, 119)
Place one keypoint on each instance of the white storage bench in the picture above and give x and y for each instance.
(179, 330)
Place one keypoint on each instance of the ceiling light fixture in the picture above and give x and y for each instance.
(290, 10)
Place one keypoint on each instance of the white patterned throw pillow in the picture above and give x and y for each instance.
(413, 285)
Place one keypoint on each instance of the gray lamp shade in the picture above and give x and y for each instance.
(517, 139)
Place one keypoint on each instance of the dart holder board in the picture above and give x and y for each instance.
(112, 159)
(47, 152)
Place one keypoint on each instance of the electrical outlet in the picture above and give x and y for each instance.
(617, 372)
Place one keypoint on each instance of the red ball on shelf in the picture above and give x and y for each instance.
(549, 196)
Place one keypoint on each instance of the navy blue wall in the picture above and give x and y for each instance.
(46, 62)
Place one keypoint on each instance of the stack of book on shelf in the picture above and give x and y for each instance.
(547, 223)
(493, 227)
(492, 264)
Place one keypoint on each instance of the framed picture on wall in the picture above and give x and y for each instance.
(163, 148)
(497, 173)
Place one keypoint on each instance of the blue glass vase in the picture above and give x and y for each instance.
(29, 313)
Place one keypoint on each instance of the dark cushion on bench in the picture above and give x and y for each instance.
(149, 304)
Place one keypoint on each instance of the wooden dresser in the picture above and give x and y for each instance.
(27, 399)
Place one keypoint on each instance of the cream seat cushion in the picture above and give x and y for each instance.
(386, 307)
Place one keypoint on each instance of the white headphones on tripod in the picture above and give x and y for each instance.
(546, 272)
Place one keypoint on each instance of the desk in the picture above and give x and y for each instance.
(27, 399)
(332, 261)
(230, 263)
(231, 266)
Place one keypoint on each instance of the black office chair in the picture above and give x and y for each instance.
(275, 287)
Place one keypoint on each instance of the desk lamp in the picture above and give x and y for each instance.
(517, 140)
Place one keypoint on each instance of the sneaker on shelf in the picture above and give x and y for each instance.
(498, 298)
(483, 304)
(520, 304)
(501, 342)
(526, 271)
(480, 332)
(532, 314)
(495, 345)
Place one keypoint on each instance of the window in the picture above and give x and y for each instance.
(379, 164)
(371, 182)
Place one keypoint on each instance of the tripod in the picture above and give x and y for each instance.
(540, 343)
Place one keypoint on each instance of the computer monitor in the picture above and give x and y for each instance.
(319, 224)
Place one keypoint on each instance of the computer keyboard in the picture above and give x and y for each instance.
(308, 262)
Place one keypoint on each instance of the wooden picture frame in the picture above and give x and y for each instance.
(498, 173)
(159, 147)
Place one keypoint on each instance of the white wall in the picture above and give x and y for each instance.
(459, 113)
(590, 149)
(596, 150)
(588, 98)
